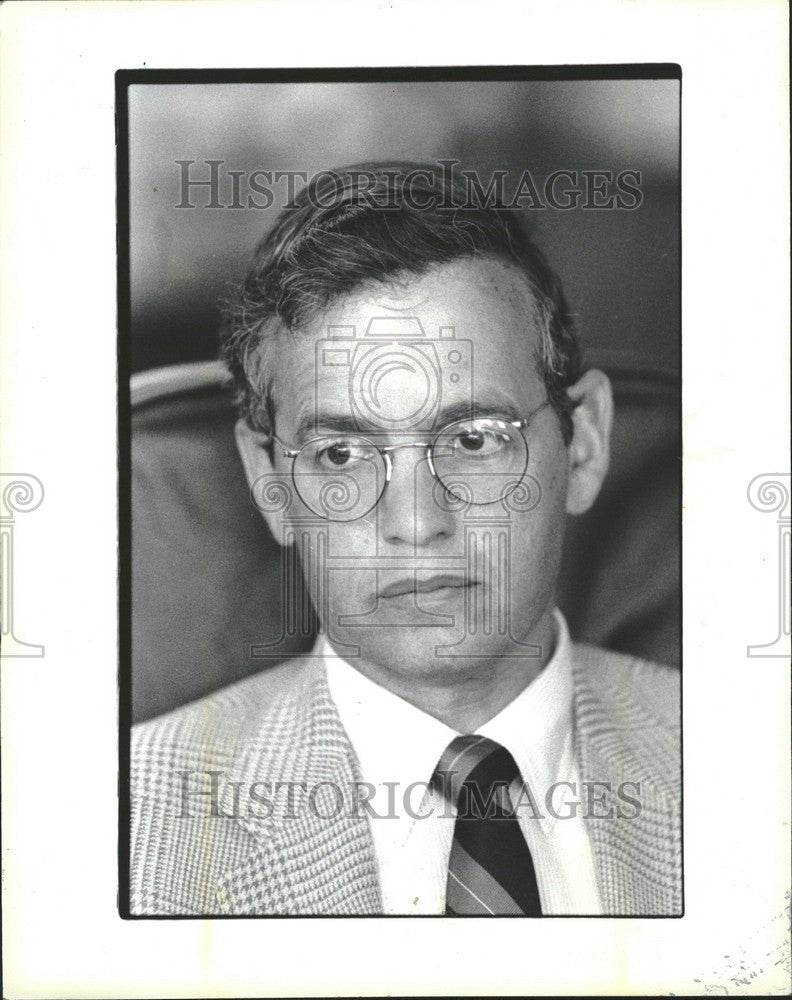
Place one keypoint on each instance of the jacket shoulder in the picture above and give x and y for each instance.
(225, 716)
(620, 684)
(628, 714)
(181, 766)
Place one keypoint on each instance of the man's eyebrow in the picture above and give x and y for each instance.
(308, 425)
(312, 424)
(467, 410)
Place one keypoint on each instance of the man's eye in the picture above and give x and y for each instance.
(337, 454)
(471, 441)
(342, 454)
(478, 442)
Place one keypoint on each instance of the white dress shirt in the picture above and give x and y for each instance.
(398, 747)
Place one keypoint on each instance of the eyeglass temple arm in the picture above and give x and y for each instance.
(267, 438)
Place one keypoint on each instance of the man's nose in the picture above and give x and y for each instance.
(412, 510)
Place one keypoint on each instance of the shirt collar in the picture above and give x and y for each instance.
(536, 727)
(396, 742)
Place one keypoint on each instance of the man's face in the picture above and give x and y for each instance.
(423, 584)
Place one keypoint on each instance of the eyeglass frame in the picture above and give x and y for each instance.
(521, 424)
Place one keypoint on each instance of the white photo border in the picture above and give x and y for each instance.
(62, 932)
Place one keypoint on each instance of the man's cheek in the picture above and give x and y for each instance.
(334, 567)
(528, 555)
(351, 592)
(350, 543)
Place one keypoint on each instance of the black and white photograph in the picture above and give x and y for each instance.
(394, 499)
(403, 507)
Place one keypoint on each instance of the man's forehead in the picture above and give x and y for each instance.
(461, 334)
(472, 295)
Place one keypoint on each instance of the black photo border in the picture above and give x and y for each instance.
(426, 74)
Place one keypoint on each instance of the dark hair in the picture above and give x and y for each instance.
(380, 222)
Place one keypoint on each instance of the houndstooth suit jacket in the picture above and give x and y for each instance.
(282, 725)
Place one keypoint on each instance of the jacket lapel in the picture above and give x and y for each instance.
(313, 854)
(317, 856)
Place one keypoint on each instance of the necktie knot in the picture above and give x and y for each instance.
(474, 773)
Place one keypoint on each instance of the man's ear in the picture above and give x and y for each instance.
(589, 449)
(272, 492)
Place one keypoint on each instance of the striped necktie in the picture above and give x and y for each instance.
(490, 870)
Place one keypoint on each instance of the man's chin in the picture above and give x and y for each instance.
(428, 652)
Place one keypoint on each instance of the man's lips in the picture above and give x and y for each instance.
(441, 581)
